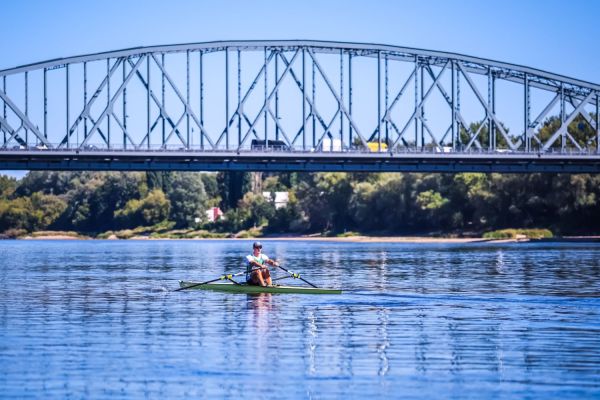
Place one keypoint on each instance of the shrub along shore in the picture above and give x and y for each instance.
(158, 233)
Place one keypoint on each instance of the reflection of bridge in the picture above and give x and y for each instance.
(326, 106)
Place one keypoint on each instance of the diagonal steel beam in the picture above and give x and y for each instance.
(24, 119)
(109, 106)
(474, 136)
(124, 130)
(240, 110)
(430, 132)
(313, 108)
(565, 124)
(327, 129)
(163, 112)
(387, 114)
(457, 113)
(5, 127)
(337, 97)
(270, 112)
(419, 106)
(584, 113)
(530, 131)
(173, 129)
(188, 109)
(85, 113)
(488, 110)
(268, 99)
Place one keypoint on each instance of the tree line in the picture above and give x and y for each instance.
(377, 203)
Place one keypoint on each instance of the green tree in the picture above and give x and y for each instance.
(187, 197)
(7, 186)
(232, 186)
(16, 214)
(288, 218)
(211, 187)
(48, 182)
(257, 209)
(578, 131)
(431, 203)
(483, 137)
(151, 210)
(47, 208)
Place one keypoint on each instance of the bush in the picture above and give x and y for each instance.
(514, 233)
(13, 233)
(250, 233)
(348, 234)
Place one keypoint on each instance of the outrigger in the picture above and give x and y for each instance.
(236, 287)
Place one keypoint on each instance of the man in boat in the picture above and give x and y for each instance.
(257, 272)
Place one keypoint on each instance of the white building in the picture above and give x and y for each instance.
(279, 198)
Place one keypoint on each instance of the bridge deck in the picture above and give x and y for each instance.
(130, 160)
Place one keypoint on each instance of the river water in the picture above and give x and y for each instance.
(96, 319)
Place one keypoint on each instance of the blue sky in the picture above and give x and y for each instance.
(556, 36)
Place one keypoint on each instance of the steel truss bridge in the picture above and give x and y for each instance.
(295, 106)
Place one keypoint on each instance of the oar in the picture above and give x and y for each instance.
(222, 277)
(295, 275)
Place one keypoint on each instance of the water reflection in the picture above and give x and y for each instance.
(89, 319)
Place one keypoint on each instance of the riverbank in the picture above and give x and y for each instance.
(50, 235)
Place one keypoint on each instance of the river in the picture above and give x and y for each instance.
(95, 319)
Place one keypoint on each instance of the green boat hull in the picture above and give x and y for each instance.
(244, 288)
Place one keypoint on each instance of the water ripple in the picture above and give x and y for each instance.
(99, 319)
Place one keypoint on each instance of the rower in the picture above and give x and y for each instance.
(260, 276)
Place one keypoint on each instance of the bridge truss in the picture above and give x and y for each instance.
(295, 105)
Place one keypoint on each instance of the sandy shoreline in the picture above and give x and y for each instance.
(349, 239)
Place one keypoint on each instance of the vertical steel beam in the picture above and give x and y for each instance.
(350, 98)
(68, 116)
(563, 137)
(124, 108)
(108, 101)
(422, 106)
(266, 94)
(276, 95)
(387, 134)
(379, 101)
(27, 105)
(227, 98)
(148, 99)
(491, 142)
(312, 111)
(598, 123)
(527, 113)
(187, 84)
(457, 111)
(453, 103)
(342, 97)
(493, 108)
(304, 99)
(45, 104)
(201, 54)
(162, 76)
(416, 101)
(4, 105)
(239, 95)
(84, 99)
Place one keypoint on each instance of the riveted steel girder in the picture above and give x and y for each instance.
(175, 98)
